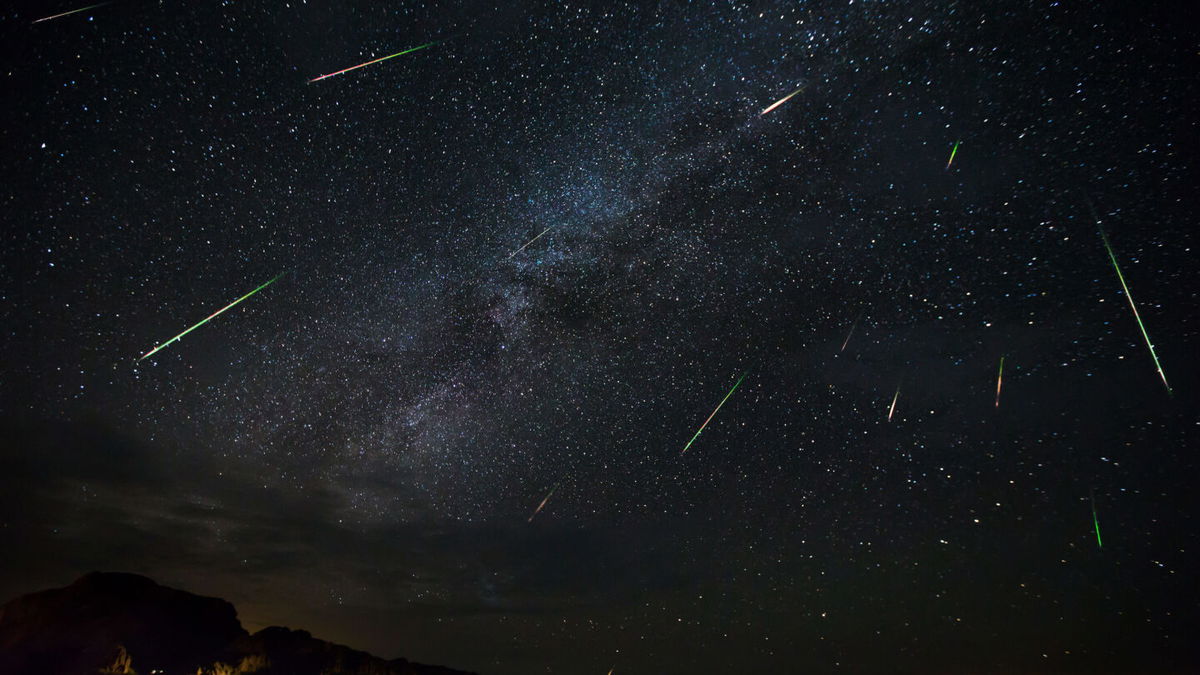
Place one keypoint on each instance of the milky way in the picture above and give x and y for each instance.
(528, 260)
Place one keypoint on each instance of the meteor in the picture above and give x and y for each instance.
(214, 315)
(999, 378)
(780, 102)
(74, 11)
(510, 255)
(543, 504)
(362, 65)
(892, 410)
(1096, 521)
(852, 327)
(1112, 256)
(714, 413)
(953, 152)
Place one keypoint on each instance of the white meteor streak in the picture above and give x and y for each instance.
(510, 255)
(74, 11)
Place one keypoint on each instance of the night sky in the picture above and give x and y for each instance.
(357, 449)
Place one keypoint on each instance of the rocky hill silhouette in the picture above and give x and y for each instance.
(125, 623)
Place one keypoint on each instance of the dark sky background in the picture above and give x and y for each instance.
(357, 449)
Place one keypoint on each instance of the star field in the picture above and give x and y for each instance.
(359, 448)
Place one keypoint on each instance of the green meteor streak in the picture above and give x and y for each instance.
(953, 152)
(714, 413)
(1112, 256)
(210, 318)
(1096, 522)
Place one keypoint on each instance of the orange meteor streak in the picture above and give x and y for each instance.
(543, 504)
(848, 335)
(999, 380)
(780, 102)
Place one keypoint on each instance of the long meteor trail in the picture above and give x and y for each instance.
(74, 11)
(1096, 521)
(999, 379)
(510, 255)
(892, 410)
(1112, 256)
(780, 102)
(212, 316)
(714, 413)
(368, 63)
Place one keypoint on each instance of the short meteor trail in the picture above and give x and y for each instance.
(1096, 521)
(953, 152)
(780, 102)
(510, 255)
(1112, 256)
(152, 352)
(999, 379)
(852, 327)
(892, 409)
(543, 504)
(74, 11)
(363, 65)
(714, 413)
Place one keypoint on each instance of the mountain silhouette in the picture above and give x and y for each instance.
(125, 623)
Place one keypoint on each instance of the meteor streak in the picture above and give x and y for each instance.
(543, 504)
(74, 11)
(362, 65)
(780, 102)
(999, 378)
(510, 255)
(1096, 521)
(892, 410)
(210, 318)
(1112, 256)
(714, 413)
(953, 152)
(852, 327)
